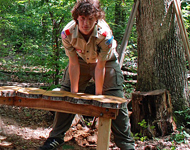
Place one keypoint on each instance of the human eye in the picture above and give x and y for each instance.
(82, 18)
(90, 18)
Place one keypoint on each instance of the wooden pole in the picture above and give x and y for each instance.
(182, 30)
(127, 33)
(104, 128)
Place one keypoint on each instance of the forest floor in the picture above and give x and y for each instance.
(24, 128)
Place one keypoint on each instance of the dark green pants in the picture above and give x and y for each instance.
(112, 86)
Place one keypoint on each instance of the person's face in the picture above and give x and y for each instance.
(86, 24)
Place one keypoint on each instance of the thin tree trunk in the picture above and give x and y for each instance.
(56, 52)
(120, 19)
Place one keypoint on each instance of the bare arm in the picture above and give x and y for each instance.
(99, 76)
(74, 72)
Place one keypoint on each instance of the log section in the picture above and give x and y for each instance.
(156, 109)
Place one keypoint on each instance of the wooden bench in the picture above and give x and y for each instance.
(102, 106)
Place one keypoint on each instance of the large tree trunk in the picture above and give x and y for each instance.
(161, 57)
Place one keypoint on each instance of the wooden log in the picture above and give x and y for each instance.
(7, 100)
(156, 109)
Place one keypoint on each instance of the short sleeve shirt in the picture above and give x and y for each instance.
(100, 46)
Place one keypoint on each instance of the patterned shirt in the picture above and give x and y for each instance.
(100, 46)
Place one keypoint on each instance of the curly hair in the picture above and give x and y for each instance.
(86, 8)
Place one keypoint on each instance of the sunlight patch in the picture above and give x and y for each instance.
(24, 132)
(4, 143)
(2, 138)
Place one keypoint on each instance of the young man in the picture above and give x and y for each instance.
(91, 48)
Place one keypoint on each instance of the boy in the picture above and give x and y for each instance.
(91, 48)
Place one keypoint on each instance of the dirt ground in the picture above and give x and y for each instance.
(26, 129)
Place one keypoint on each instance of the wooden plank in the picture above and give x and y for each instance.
(8, 91)
(67, 107)
(7, 94)
(30, 92)
(104, 129)
(104, 107)
(183, 31)
(6, 100)
(104, 101)
(127, 33)
(88, 99)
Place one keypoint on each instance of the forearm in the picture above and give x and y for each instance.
(74, 73)
(99, 78)
(74, 77)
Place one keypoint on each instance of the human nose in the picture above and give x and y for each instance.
(86, 22)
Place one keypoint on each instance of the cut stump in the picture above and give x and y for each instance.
(156, 109)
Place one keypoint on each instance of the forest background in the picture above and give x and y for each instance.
(30, 43)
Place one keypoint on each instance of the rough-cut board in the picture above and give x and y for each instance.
(62, 101)
(67, 107)
(79, 98)
(82, 98)
(7, 94)
(104, 107)
(30, 93)
(8, 91)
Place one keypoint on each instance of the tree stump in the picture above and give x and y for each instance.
(156, 109)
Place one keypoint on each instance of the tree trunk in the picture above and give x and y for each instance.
(161, 57)
(56, 52)
(55, 45)
(156, 110)
(120, 19)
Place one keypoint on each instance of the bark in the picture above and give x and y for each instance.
(156, 109)
(161, 57)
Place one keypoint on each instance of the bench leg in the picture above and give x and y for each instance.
(104, 129)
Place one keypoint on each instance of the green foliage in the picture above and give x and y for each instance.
(143, 124)
(67, 147)
(128, 88)
(185, 5)
(26, 29)
(117, 15)
(180, 137)
(27, 35)
(185, 114)
(141, 136)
